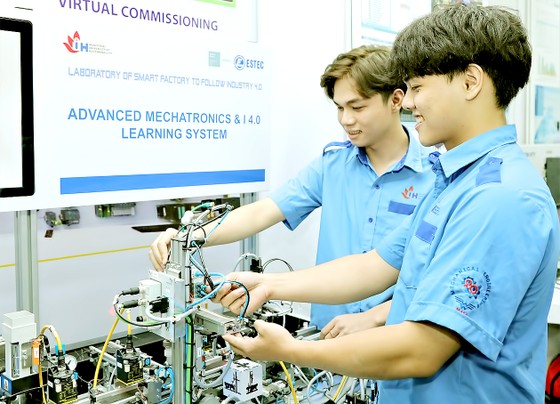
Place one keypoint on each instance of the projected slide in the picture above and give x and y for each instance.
(131, 101)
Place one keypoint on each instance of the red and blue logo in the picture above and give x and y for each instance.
(409, 193)
(470, 288)
(74, 44)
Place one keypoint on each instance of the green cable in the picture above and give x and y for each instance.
(202, 205)
(189, 361)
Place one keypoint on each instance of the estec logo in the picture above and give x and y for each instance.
(241, 63)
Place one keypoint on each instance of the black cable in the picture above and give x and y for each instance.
(277, 259)
(242, 314)
(186, 228)
(197, 226)
(207, 277)
(133, 322)
(31, 389)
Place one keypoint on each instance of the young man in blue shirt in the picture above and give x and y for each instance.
(474, 266)
(366, 186)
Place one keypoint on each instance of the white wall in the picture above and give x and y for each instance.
(304, 36)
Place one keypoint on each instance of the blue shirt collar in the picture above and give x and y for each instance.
(466, 153)
(412, 158)
(333, 145)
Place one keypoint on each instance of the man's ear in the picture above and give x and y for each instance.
(474, 80)
(396, 99)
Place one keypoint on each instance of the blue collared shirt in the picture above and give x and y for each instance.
(358, 207)
(479, 257)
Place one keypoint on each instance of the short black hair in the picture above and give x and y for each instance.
(447, 40)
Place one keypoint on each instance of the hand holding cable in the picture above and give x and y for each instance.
(233, 294)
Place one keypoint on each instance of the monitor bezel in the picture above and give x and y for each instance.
(25, 29)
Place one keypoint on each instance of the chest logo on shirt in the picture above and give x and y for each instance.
(409, 193)
(470, 288)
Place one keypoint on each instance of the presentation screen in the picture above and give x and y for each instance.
(16, 109)
(179, 107)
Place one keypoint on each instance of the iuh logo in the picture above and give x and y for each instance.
(409, 193)
(74, 45)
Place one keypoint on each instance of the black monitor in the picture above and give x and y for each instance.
(17, 157)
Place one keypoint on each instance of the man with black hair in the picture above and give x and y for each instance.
(474, 265)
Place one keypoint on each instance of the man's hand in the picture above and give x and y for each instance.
(345, 324)
(271, 344)
(350, 323)
(233, 294)
(159, 249)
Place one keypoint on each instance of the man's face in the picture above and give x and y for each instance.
(365, 120)
(435, 104)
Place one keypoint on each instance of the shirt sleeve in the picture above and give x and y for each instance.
(489, 257)
(301, 195)
(392, 247)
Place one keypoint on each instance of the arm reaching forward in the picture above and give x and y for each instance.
(364, 275)
(240, 223)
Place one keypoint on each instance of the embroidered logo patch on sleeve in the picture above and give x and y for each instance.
(470, 288)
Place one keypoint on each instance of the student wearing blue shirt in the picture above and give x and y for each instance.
(474, 265)
(365, 186)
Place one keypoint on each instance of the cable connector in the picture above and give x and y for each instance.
(160, 305)
(131, 291)
(198, 242)
(246, 326)
(130, 304)
(256, 265)
(129, 344)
